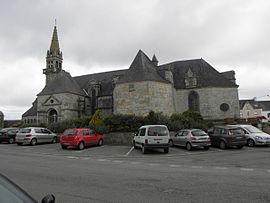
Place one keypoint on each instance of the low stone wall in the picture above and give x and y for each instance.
(121, 138)
(118, 138)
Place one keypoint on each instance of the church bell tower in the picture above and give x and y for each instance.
(54, 59)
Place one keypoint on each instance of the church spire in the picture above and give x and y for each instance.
(55, 42)
(54, 58)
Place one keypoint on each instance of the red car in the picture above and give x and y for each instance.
(80, 137)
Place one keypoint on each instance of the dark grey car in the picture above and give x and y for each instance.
(227, 136)
(191, 138)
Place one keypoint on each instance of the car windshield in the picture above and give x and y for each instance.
(3, 130)
(157, 131)
(70, 132)
(25, 130)
(252, 129)
(198, 133)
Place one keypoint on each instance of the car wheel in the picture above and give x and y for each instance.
(100, 142)
(222, 145)
(250, 143)
(143, 150)
(11, 140)
(166, 150)
(171, 143)
(63, 146)
(206, 147)
(240, 146)
(54, 140)
(81, 146)
(33, 142)
(134, 145)
(188, 146)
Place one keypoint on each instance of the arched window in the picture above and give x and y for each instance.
(93, 105)
(193, 101)
(52, 116)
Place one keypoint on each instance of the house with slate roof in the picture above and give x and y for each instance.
(252, 108)
(144, 86)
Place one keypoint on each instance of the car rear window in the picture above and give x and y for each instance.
(70, 132)
(198, 133)
(25, 130)
(157, 131)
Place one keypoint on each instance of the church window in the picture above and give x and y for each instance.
(51, 101)
(56, 64)
(193, 101)
(224, 107)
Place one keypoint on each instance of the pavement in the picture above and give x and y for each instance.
(123, 174)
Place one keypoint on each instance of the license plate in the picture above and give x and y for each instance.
(66, 143)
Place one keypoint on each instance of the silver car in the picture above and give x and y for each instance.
(191, 138)
(34, 135)
(254, 135)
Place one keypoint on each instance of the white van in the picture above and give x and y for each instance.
(152, 137)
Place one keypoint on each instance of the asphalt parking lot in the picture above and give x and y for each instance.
(119, 173)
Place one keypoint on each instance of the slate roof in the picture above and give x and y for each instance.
(105, 79)
(264, 105)
(141, 69)
(205, 74)
(64, 83)
(32, 111)
(54, 43)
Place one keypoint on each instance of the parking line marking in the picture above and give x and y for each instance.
(72, 157)
(85, 158)
(101, 160)
(135, 162)
(174, 165)
(246, 169)
(129, 151)
(117, 161)
(154, 164)
(221, 168)
(196, 166)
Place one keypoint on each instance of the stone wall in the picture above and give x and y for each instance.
(141, 97)
(66, 105)
(118, 138)
(121, 138)
(210, 100)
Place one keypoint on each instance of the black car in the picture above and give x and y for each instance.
(10, 192)
(8, 135)
(225, 136)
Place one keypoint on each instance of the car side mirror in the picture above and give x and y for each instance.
(48, 199)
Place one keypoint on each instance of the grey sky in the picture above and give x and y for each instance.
(103, 35)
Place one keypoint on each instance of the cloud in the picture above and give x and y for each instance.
(105, 35)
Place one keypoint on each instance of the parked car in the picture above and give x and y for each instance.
(227, 136)
(80, 137)
(35, 135)
(8, 135)
(10, 192)
(152, 137)
(191, 138)
(254, 135)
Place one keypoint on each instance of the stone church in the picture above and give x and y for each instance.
(169, 88)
